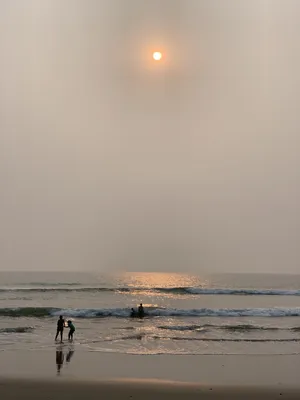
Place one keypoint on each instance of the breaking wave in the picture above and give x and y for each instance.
(75, 287)
(52, 284)
(226, 339)
(18, 329)
(230, 327)
(40, 312)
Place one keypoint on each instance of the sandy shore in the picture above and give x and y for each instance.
(275, 371)
(75, 375)
(138, 390)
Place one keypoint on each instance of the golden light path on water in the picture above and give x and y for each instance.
(150, 280)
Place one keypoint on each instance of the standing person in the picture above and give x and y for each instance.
(141, 311)
(72, 330)
(60, 328)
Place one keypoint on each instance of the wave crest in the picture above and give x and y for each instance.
(18, 329)
(40, 312)
(74, 287)
(229, 327)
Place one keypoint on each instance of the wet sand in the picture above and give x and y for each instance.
(67, 363)
(72, 375)
(133, 389)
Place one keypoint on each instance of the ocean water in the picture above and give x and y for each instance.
(185, 314)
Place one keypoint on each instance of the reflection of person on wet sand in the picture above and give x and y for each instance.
(69, 356)
(59, 360)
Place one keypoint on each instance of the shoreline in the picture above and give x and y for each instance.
(219, 370)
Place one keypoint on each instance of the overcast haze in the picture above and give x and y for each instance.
(111, 161)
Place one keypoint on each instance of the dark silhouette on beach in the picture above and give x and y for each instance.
(60, 328)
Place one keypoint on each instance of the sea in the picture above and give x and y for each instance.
(185, 314)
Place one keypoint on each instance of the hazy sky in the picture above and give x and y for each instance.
(110, 161)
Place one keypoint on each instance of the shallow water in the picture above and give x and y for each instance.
(185, 314)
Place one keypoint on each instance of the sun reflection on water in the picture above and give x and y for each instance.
(149, 280)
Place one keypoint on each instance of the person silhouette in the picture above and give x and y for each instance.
(133, 313)
(60, 328)
(141, 312)
(71, 331)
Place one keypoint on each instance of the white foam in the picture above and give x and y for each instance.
(202, 312)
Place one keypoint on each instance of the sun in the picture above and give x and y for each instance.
(157, 56)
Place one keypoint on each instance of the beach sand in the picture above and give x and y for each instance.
(34, 374)
(131, 389)
(216, 370)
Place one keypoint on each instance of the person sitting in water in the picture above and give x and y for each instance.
(141, 312)
(60, 328)
(133, 313)
(72, 330)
